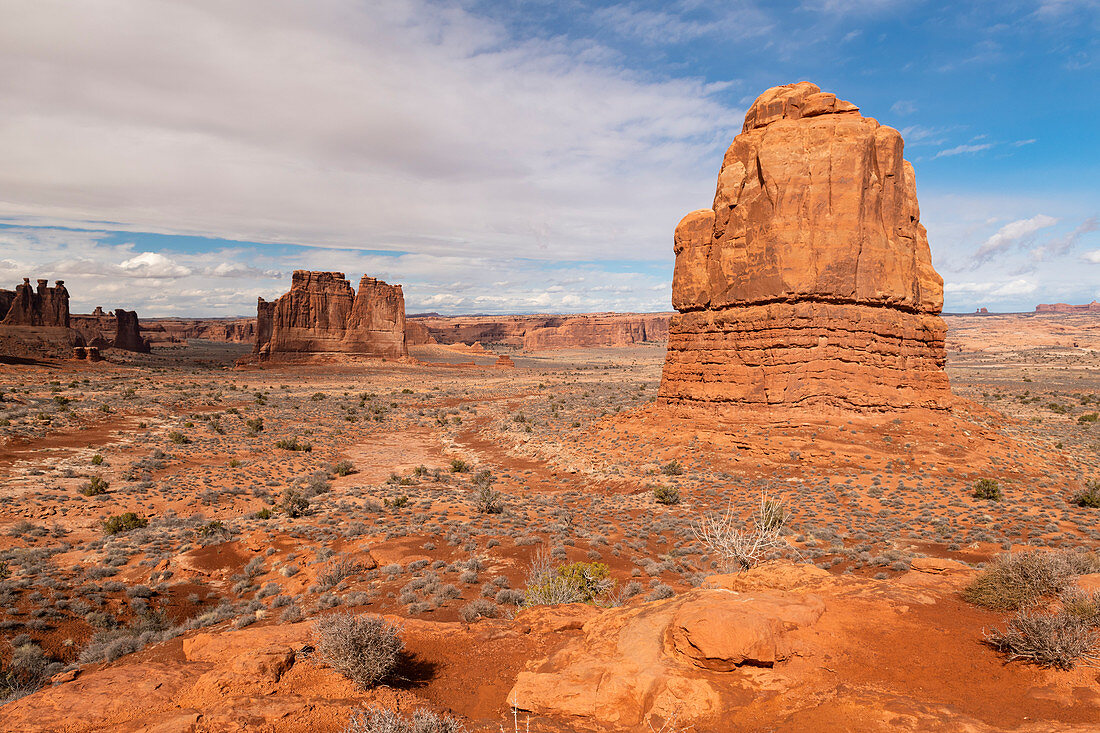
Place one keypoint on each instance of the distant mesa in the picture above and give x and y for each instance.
(37, 324)
(809, 282)
(1093, 307)
(322, 314)
(981, 311)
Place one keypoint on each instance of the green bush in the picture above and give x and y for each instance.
(1089, 496)
(178, 438)
(293, 444)
(667, 495)
(343, 468)
(124, 523)
(95, 486)
(1090, 417)
(97, 460)
(987, 488)
(672, 468)
(459, 466)
(578, 582)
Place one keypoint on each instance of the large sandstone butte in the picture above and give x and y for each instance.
(118, 329)
(810, 281)
(323, 315)
(45, 306)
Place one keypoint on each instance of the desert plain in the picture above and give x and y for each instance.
(270, 495)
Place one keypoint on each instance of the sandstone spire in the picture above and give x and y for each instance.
(809, 281)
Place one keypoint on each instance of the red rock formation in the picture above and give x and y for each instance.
(322, 314)
(537, 332)
(1093, 307)
(504, 362)
(417, 334)
(118, 329)
(810, 280)
(45, 306)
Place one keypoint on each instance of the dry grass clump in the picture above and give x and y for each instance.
(1050, 640)
(1018, 580)
(578, 582)
(387, 721)
(364, 648)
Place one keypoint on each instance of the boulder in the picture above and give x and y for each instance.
(809, 282)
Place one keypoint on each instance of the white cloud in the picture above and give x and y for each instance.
(387, 125)
(1059, 246)
(153, 264)
(1008, 289)
(963, 149)
(1093, 256)
(903, 107)
(1012, 234)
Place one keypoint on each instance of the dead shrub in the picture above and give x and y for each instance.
(1018, 580)
(364, 648)
(1050, 640)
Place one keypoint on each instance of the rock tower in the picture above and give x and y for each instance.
(809, 282)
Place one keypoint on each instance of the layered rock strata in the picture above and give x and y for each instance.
(322, 314)
(27, 306)
(810, 280)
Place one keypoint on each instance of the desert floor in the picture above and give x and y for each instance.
(281, 492)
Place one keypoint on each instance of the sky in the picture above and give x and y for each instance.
(183, 157)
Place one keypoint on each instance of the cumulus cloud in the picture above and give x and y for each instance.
(394, 125)
(153, 264)
(1093, 256)
(1012, 234)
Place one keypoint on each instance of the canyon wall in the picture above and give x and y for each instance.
(538, 332)
(119, 329)
(1093, 307)
(809, 281)
(323, 315)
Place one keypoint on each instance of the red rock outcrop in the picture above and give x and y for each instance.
(536, 332)
(118, 329)
(1093, 307)
(26, 306)
(809, 281)
(323, 315)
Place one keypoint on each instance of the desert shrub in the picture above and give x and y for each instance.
(293, 504)
(364, 648)
(343, 468)
(337, 570)
(741, 548)
(1089, 496)
(386, 721)
(459, 466)
(178, 438)
(578, 582)
(1050, 640)
(396, 502)
(1089, 417)
(480, 608)
(1018, 580)
(987, 488)
(1082, 604)
(124, 523)
(213, 529)
(293, 444)
(95, 486)
(97, 460)
(667, 495)
(672, 468)
(255, 425)
(487, 500)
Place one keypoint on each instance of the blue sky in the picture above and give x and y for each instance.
(182, 158)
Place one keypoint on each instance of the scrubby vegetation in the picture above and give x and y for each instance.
(363, 648)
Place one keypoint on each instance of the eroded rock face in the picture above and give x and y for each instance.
(118, 329)
(44, 306)
(322, 314)
(809, 281)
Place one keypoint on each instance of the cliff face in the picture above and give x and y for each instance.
(538, 332)
(810, 279)
(26, 306)
(1093, 307)
(322, 314)
(119, 329)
